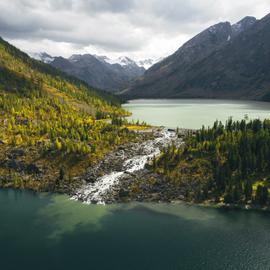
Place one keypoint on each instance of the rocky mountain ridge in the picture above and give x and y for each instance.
(223, 61)
(99, 71)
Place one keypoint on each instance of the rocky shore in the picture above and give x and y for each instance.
(123, 176)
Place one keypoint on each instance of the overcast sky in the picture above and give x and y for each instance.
(135, 28)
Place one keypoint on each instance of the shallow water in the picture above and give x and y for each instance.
(41, 231)
(193, 113)
(52, 232)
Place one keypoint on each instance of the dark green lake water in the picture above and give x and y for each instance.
(193, 113)
(52, 232)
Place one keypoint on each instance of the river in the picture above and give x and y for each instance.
(45, 231)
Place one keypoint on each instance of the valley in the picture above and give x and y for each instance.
(134, 135)
(60, 135)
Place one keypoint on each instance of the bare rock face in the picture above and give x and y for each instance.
(224, 61)
(113, 178)
(243, 25)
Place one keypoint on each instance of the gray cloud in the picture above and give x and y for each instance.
(118, 25)
(111, 6)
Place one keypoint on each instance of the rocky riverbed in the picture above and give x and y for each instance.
(122, 175)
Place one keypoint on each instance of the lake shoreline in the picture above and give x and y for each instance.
(194, 113)
(206, 205)
(114, 177)
(223, 206)
(125, 191)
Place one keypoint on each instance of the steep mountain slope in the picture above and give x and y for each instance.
(224, 61)
(239, 70)
(52, 126)
(98, 71)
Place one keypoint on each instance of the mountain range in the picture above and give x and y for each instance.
(100, 72)
(224, 61)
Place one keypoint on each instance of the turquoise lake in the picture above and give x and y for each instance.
(193, 113)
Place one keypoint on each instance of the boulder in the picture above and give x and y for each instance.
(123, 193)
(33, 169)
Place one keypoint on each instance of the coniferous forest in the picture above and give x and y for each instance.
(225, 163)
(55, 126)
(134, 135)
(52, 126)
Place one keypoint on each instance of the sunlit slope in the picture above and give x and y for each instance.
(52, 126)
(19, 71)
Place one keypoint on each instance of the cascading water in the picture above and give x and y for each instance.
(95, 192)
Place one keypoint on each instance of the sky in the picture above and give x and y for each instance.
(139, 29)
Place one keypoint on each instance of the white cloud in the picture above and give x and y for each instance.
(140, 29)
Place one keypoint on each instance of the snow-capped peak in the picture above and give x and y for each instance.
(42, 56)
(122, 60)
(126, 61)
(147, 63)
(102, 58)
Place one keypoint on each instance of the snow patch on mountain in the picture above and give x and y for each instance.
(147, 63)
(243, 24)
(123, 61)
(126, 61)
(42, 56)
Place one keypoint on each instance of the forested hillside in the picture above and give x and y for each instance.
(226, 163)
(52, 127)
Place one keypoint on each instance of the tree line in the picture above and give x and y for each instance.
(230, 162)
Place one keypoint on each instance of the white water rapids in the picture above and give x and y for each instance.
(95, 192)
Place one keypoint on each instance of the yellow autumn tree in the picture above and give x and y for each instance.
(18, 139)
(58, 144)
